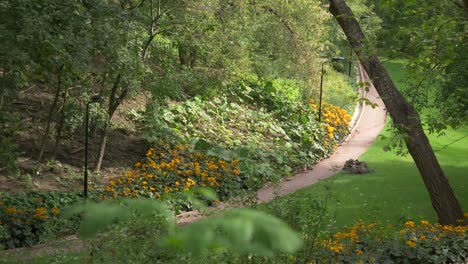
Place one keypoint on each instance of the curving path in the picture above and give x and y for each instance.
(365, 127)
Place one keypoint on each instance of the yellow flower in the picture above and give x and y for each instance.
(152, 189)
(10, 210)
(359, 252)
(40, 213)
(409, 224)
(411, 244)
(425, 223)
(55, 211)
(109, 189)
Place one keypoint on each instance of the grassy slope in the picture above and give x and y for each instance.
(395, 191)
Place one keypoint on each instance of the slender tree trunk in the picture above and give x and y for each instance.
(405, 118)
(114, 103)
(61, 123)
(102, 147)
(50, 115)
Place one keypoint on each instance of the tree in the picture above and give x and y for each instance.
(405, 118)
(431, 35)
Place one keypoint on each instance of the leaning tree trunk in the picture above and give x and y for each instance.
(405, 118)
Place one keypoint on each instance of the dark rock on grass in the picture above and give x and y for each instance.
(356, 167)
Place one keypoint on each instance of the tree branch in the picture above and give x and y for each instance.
(281, 19)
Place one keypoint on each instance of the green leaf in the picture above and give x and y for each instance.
(202, 145)
(207, 193)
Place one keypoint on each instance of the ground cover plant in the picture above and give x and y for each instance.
(247, 236)
(266, 147)
(29, 218)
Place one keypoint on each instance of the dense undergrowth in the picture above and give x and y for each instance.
(255, 133)
(142, 231)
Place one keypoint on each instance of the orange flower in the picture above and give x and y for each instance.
(55, 211)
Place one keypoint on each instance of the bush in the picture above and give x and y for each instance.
(414, 243)
(27, 219)
(167, 170)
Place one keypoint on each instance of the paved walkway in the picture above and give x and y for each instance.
(366, 126)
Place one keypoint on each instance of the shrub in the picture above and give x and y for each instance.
(414, 243)
(336, 123)
(26, 219)
(167, 170)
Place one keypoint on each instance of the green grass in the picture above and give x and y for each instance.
(394, 192)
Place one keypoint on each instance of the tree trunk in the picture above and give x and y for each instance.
(405, 118)
(61, 123)
(102, 146)
(49, 116)
(114, 103)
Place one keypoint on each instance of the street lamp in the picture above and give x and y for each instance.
(94, 99)
(321, 84)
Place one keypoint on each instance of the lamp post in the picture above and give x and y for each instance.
(321, 84)
(94, 99)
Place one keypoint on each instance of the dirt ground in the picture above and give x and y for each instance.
(64, 172)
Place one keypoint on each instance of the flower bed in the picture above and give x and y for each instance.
(26, 219)
(414, 243)
(167, 170)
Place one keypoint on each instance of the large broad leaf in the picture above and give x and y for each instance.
(97, 216)
(202, 145)
(242, 231)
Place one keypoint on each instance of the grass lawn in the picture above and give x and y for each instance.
(394, 192)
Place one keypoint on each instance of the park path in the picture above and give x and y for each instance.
(365, 127)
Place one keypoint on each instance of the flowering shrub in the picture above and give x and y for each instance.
(167, 170)
(26, 219)
(414, 243)
(336, 123)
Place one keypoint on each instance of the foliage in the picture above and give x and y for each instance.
(29, 218)
(129, 220)
(167, 170)
(8, 150)
(415, 243)
(96, 217)
(336, 123)
(241, 231)
(432, 36)
(170, 49)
